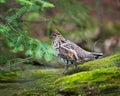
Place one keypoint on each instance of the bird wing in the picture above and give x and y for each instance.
(67, 54)
(66, 51)
(74, 52)
(78, 52)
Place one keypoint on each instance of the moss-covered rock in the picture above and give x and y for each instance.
(33, 82)
(91, 82)
(108, 62)
(99, 77)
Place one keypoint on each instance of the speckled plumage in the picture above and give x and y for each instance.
(70, 53)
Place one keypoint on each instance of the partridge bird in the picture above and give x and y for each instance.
(70, 53)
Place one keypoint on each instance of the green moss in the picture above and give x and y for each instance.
(41, 84)
(80, 82)
(98, 77)
(108, 62)
(8, 75)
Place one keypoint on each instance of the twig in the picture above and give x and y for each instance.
(12, 27)
(24, 60)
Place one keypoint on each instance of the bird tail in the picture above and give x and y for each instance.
(97, 55)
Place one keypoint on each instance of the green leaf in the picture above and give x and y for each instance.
(51, 50)
(38, 51)
(25, 2)
(48, 57)
(29, 52)
(10, 44)
(4, 29)
(19, 41)
(47, 4)
(14, 50)
(20, 48)
(2, 1)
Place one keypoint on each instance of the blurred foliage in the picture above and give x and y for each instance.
(2, 1)
(16, 36)
(75, 12)
(14, 31)
(74, 18)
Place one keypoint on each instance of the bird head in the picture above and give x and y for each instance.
(54, 34)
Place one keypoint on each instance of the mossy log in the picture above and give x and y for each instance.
(94, 78)
(98, 77)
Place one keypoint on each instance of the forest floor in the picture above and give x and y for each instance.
(94, 78)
